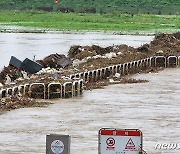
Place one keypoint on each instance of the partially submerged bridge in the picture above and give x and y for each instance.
(74, 86)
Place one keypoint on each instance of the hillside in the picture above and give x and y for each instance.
(98, 6)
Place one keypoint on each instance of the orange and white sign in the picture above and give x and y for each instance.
(126, 141)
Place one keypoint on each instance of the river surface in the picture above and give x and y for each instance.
(26, 45)
(152, 107)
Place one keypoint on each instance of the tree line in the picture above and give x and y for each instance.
(96, 6)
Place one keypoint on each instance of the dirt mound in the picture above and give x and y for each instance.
(74, 50)
(124, 48)
(168, 44)
(164, 40)
(163, 44)
(85, 53)
(100, 51)
(144, 48)
(80, 52)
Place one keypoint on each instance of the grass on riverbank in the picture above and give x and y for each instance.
(106, 22)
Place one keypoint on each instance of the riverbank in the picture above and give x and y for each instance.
(41, 22)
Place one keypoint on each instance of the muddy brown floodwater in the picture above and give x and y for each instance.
(26, 45)
(152, 107)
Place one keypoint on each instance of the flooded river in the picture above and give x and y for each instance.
(26, 45)
(152, 107)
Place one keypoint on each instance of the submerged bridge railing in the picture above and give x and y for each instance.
(75, 88)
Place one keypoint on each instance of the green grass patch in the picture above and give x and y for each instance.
(75, 21)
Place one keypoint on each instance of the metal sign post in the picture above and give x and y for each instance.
(57, 144)
(120, 141)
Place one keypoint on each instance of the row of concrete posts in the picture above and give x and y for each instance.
(75, 88)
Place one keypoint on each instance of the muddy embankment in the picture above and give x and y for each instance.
(85, 58)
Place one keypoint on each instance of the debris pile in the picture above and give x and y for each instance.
(19, 71)
(83, 58)
(14, 102)
(56, 67)
(11, 71)
(55, 61)
(163, 44)
(93, 57)
(95, 52)
(111, 80)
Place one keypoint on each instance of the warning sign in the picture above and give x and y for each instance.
(130, 145)
(128, 141)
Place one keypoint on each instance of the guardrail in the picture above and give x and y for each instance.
(45, 91)
(75, 88)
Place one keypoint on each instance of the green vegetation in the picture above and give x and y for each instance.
(79, 21)
(98, 6)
